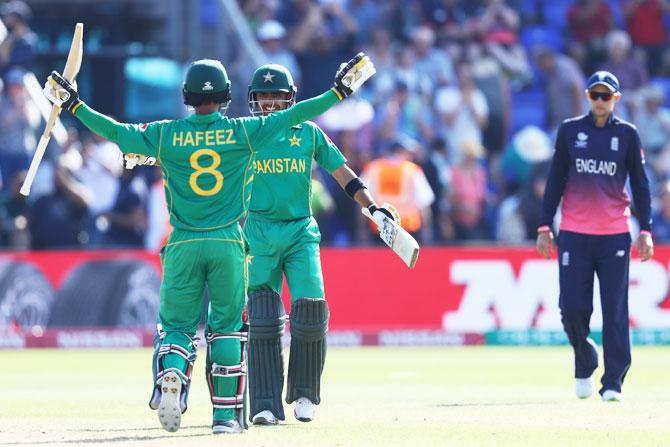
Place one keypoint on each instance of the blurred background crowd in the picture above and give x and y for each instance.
(456, 129)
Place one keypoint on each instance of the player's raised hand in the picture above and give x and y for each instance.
(351, 75)
(645, 246)
(61, 92)
(545, 243)
(132, 160)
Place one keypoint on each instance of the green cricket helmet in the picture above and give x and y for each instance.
(206, 82)
(271, 78)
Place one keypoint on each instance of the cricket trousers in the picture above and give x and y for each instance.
(608, 256)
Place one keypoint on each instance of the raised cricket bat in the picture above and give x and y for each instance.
(70, 72)
(400, 241)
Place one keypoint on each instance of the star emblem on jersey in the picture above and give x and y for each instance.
(267, 77)
(295, 141)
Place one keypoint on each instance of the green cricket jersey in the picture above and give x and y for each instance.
(207, 160)
(282, 180)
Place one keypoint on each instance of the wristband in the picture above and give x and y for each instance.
(354, 186)
(544, 229)
(648, 233)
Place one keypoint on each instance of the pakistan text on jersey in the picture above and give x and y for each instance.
(279, 166)
(591, 166)
(208, 138)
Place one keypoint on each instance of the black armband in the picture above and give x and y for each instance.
(354, 186)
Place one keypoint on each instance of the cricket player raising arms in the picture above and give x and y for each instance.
(284, 239)
(595, 154)
(207, 161)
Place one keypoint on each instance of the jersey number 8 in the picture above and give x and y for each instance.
(200, 170)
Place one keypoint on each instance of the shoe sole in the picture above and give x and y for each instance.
(222, 429)
(263, 421)
(169, 409)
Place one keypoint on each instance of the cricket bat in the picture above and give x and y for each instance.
(72, 66)
(400, 241)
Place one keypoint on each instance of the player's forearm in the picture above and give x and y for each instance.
(311, 108)
(101, 124)
(344, 175)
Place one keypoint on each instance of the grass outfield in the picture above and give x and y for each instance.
(472, 396)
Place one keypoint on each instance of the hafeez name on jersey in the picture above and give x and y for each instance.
(591, 166)
(208, 137)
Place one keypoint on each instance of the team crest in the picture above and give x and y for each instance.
(582, 140)
(208, 86)
(614, 144)
(267, 77)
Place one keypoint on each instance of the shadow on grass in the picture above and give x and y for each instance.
(109, 440)
(157, 428)
(493, 404)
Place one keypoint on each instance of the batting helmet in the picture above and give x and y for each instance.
(271, 78)
(206, 82)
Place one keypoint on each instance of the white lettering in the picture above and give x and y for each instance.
(591, 166)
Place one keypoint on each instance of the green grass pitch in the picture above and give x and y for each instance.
(471, 396)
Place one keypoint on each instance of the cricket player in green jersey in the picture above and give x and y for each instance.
(284, 239)
(208, 162)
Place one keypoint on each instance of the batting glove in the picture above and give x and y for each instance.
(61, 92)
(385, 211)
(132, 160)
(352, 75)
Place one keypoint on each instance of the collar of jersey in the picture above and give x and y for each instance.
(610, 120)
(209, 118)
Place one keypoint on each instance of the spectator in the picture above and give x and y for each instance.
(563, 86)
(431, 61)
(518, 214)
(368, 16)
(395, 179)
(589, 22)
(13, 224)
(494, 84)
(59, 219)
(158, 217)
(652, 119)
(529, 146)
(463, 111)
(128, 217)
(450, 18)
(468, 194)
(632, 73)
(404, 113)
(646, 25)
(18, 48)
(271, 38)
(660, 225)
(436, 167)
(325, 36)
(19, 120)
(497, 27)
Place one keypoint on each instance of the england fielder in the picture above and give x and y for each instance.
(284, 239)
(595, 154)
(207, 161)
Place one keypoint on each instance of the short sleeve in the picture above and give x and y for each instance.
(326, 154)
(144, 139)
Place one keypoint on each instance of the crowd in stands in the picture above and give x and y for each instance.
(456, 129)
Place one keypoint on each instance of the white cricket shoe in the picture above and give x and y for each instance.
(169, 409)
(231, 426)
(304, 409)
(265, 417)
(584, 387)
(612, 396)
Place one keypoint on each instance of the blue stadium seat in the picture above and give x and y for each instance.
(528, 107)
(664, 83)
(532, 36)
(556, 13)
